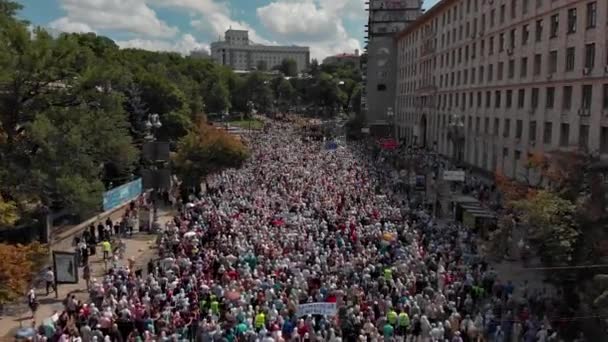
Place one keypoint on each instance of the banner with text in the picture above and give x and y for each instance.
(325, 309)
(118, 196)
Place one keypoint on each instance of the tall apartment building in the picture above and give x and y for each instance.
(491, 81)
(386, 19)
(238, 52)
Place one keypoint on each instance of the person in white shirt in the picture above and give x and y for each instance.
(49, 278)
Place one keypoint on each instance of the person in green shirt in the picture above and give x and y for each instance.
(391, 317)
(404, 323)
(388, 331)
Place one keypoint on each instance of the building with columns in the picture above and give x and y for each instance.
(489, 82)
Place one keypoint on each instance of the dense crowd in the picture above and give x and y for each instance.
(297, 225)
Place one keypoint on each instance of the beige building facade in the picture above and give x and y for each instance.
(490, 82)
(239, 53)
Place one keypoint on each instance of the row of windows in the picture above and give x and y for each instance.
(503, 42)
(548, 127)
(450, 18)
(511, 98)
(488, 73)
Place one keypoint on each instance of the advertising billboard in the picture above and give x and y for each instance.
(65, 266)
(120, 195)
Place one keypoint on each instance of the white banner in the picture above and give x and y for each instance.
(325, 309)
(454, 176)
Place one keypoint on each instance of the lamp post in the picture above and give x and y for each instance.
(456, 134)
(391, 115)
(152, 125)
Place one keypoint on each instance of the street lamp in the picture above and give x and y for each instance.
(391, 115)
(153, 123)
(456, 134)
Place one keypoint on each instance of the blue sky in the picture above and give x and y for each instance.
(327, 26)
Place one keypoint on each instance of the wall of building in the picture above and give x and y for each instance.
(504, 69)
(386, 18)
(237, 53)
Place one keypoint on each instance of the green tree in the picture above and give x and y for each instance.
(262, 66)
(552, 223)
(219, 98)
(289, 67)
(206, 150)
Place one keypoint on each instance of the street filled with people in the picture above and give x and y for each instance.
(308, 244)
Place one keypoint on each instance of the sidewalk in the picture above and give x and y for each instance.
(140, 247)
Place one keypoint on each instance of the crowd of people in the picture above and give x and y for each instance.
(301, 225)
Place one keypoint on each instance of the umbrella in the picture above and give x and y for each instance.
(25, 333)
(232, 295)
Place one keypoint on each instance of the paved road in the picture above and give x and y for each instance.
(140, 248)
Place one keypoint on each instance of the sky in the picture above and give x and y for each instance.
(327, 26)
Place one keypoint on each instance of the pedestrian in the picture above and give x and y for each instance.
(32, 302)
(106, 247)
(86, 274)
(49, 278)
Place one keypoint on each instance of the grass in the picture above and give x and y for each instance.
(247, 124)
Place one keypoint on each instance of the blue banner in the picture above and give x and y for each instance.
(118, 196)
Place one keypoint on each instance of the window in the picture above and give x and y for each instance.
(490, 72)
(567, 98)
(583, 136)
(570, 58)
(554, 25)
(523, 71)
(521, 98)
(501, 42)
(525, 34)
(492, 17)
(539, 30)
(496, 126)
(552, 66)
(605, 96)
(502, 13)
(477, 125)
(550, 100)
(481, 70)
(587, 96)
(512, 40)
(486, 125)
(534, 101)
(501, 67)
(519, 128)
(497, 99)
(604, 140)
(589, 56)
(511, 70)
(547, 132)
(488, 99)
(513, 9)
(532, 131)
(478, 99)
(506, 131)
(525, 6)
(381, 87)
(591, 14)
(564, 134)
(537, 64)
(482, 47)
(491, 47)
(572, 20)
(509, 99)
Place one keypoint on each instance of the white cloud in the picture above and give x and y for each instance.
(314, 23)
(65, 25)
(132, 16)
(186, 44)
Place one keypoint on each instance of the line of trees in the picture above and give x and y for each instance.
(73, 109)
